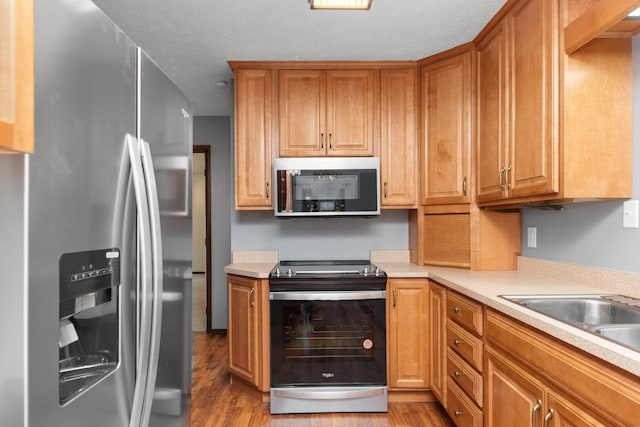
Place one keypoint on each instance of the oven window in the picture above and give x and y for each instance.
(328, 342)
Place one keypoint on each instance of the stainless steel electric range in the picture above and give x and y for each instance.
(328, 334)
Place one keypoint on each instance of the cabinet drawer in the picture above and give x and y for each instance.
(465, 344)
(465, 376)
(465, 312)
(461, 409)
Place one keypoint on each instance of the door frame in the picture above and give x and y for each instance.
(206, 150)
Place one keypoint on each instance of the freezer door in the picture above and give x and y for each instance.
(80, 203)
(165, 123)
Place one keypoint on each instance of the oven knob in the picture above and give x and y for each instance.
(289, 272)
(377, 271)
(277, 271)
(366, 271)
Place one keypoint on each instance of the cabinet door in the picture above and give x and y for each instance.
(568, 414)
(302, 113)
(253, 129)
(408, 333)
(446, 130)
(491, 114)
(351, 103)
(512, 396)
(16, 76)
(438, 341)
(533, 32)
(398, 158)
(243, 328)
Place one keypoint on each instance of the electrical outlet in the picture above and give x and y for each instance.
(532, 238)
(630, 214)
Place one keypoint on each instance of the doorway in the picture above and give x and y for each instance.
(201, 196)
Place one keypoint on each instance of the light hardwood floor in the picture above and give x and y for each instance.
(214, 402)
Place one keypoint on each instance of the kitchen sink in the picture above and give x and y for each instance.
(613, 317)
(628, 335)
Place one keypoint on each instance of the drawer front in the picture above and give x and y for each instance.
(466, 345)
(465, 312)
(465, 376)
(461, 409)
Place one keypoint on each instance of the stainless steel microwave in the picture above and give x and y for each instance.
(326, 186)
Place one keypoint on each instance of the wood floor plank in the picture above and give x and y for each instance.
(215, 403)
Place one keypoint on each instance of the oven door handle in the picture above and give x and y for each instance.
(327, 296)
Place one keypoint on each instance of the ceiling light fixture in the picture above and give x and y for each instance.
(341, 4)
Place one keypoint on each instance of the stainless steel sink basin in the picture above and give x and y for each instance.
(614, 317)
(591, 310)
(628, 335)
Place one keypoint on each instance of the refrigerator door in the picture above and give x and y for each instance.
(82, 250)
(165, 124)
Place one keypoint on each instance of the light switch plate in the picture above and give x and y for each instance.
(532, 238)
(631, 214)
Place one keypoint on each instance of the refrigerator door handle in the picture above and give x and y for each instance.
(145, 313)
(156, 252)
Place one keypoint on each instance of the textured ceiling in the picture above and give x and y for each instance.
(192, 40)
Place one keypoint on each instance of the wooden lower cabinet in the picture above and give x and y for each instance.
(464, 328)
(438, 341)
(533, 379)
(408, 349)
(248, 331)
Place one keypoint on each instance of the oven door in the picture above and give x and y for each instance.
(328, 338)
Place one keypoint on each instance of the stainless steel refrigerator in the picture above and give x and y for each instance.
(103, 327)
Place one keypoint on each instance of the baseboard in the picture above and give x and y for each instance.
(411, 396)
(218, 332)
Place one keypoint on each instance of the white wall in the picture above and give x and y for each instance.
(591, 234)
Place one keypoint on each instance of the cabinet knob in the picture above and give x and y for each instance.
(548, 417)
(457, 374)
(456, 309)
(457, 413)
(457, 342)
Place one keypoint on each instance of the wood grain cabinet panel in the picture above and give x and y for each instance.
(327, 112)
(16, 77)
(445, 129)
(254, 127)
(541, 137)
(538, 376)
(438, 341)
(248, 330)
(408, 333)
(398, 152)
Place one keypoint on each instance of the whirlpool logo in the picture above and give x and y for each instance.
(327, 375)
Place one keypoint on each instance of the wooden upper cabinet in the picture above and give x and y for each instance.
(327, 112)
(491, 113)
(516, 139)
(254, 121)
(545, 132)
(16, 76)
(532, 27)
(445, 130)
(600, 18)
(398, 153)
